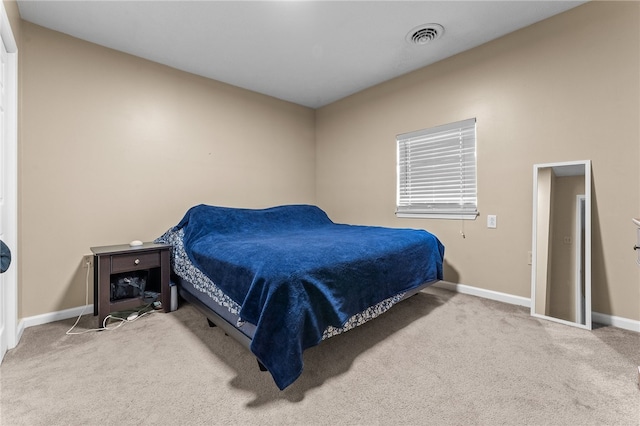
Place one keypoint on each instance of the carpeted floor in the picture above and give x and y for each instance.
(439, 358)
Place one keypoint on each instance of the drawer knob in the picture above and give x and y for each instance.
(136, 262)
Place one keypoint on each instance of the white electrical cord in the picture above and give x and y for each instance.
(122, 320)
(104, 322)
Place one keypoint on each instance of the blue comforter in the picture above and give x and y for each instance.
(294, 272)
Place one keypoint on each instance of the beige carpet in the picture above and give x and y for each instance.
(439, 358)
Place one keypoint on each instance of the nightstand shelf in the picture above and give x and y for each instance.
(111, 262)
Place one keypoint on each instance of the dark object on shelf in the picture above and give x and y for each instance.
(125, 286)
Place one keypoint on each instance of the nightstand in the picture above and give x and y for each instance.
(115, 261)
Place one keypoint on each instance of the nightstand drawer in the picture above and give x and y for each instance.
(133, 261)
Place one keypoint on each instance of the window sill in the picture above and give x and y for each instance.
(460, 216)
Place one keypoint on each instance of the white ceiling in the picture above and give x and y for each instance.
(308, 52)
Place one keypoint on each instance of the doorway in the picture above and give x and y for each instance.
(8, 182)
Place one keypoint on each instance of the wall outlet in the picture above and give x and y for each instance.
(87, 261)
(530, 258)
(492, 221)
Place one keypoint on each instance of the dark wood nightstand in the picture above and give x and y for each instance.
(112, 261)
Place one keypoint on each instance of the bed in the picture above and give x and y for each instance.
(282, 279)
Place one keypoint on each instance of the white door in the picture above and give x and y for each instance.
(8, 182)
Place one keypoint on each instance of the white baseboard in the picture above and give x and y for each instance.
(605, 319)
(620, 322)
(486, 294)
(51, 317)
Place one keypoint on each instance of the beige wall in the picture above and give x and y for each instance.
(11, 7)
(564, 89)
(115, 148)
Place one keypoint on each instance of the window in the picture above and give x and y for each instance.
(437, 172)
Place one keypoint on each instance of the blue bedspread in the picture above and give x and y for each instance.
(294, 272)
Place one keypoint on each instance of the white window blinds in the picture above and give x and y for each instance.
(437, 172)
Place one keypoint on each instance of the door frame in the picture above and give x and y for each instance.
(10, 335)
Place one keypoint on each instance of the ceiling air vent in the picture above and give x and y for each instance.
(424, 34)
